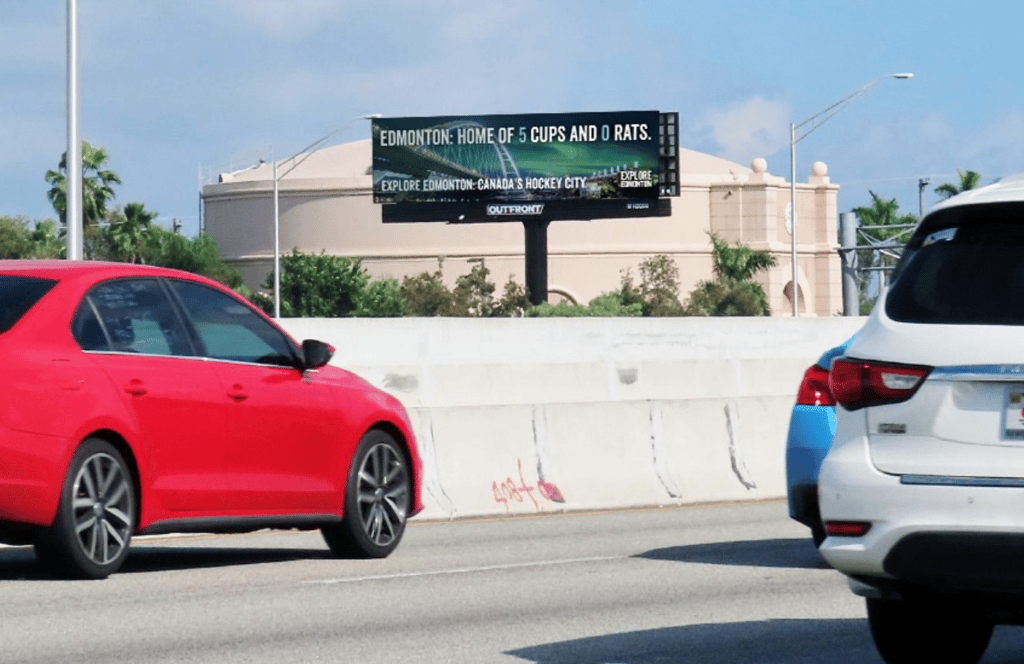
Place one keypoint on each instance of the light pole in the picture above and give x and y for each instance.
(73, 161)
(305, 154)
(815, 121)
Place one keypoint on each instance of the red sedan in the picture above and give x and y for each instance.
(141, 400)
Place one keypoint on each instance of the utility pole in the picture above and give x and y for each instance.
(921, 184)
(848, 255)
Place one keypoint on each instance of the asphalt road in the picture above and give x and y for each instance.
(712, 585)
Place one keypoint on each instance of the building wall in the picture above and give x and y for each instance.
(585, 258)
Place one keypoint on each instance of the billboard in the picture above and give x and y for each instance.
(511, 167)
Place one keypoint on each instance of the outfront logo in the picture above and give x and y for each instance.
(514, 209)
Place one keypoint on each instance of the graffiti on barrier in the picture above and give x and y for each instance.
(511, 492)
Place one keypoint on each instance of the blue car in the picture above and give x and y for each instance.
(812, 426)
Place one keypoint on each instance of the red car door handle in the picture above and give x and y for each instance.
(136, 387)
(238, 393)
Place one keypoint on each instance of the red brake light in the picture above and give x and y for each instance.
(847, 528)
(856, 384)
(814, 389)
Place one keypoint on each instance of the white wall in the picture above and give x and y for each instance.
(541, 415)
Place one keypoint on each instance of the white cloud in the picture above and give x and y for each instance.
(744, 130)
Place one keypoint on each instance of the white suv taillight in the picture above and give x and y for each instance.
(858, 384)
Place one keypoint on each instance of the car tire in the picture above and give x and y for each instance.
(377, 500)
(929, 630)
(95, 519)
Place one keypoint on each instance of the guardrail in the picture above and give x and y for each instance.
(517, 416)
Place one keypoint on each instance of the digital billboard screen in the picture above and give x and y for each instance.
(518, 165)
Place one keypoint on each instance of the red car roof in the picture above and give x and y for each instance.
(64, 269)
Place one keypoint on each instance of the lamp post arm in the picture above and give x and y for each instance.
(816, 120)
(833, 109)
(309, 150)
(277, 177)
(830, 111)
(312, 147)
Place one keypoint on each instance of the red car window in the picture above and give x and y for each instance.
(18, 295)
(231, 330)
(130, 316)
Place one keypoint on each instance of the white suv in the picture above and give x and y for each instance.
(922, 493)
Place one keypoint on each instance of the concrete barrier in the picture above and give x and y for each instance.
(521, 416)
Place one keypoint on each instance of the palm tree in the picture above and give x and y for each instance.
(97, 186)
(739, 263)
(968, 180)
(127, 232)
(733, 292)
(47, 240)
(879, 223)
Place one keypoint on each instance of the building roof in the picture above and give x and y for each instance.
(347, 160)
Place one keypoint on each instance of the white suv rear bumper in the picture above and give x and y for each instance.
(852, 489)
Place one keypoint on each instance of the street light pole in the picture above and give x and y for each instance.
(794, 292)
(73, 160)
(828, 113)
(277, 243)
(305, 154)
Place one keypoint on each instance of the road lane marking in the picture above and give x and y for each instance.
(466, 570)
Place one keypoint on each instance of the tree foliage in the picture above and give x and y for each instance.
(20, 238)
(382, 299)
(130, 236)
(658, 293)
(733, 291)
(738, 263)
(127, 234)
(426, 294)
(319, 285)
(97, 185)
(879, 223)
(968, 180)
(473, 295)
(513, 302)
(607, 305)
(97, 192)
(48, 243)
(198, 255)
(727, 297)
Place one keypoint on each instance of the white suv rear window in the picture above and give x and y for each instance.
(964, 266)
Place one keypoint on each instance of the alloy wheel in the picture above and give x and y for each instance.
(102, 509)
(383, 494)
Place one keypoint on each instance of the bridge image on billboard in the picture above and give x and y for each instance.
(494, 167)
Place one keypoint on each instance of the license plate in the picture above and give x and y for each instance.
(1013, 413)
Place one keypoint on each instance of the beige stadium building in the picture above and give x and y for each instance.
(326, 205)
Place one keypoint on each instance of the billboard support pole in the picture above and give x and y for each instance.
(536, 260)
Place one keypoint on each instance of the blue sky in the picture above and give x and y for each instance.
(172, 87)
